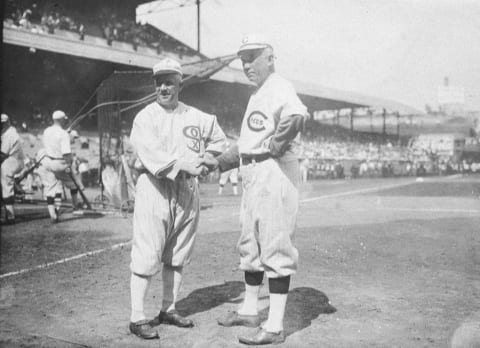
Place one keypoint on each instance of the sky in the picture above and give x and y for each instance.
(396, 49)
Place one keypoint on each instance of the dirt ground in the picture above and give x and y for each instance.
(383, 263)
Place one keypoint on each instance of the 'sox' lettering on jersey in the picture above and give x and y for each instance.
(255, 121)
(193, 133)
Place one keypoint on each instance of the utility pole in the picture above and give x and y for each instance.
(198, 26)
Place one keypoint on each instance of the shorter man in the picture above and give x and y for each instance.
(170, 138)
(57, 164)
(12, 161)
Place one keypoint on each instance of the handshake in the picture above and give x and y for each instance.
(201, 166)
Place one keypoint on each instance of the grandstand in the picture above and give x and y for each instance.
(57, 55)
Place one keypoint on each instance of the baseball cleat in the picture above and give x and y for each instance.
(173, 318)
(143, 330)
(235, 319)
(263, 337)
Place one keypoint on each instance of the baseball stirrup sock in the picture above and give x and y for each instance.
(138, 291)
(253, 278)
(9, 200)
(279, 285)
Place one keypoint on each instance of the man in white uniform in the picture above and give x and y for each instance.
(267, 153)
(169, 138)
(12, 159)
(57, 165)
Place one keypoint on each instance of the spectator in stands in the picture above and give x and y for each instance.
(81, 31)
(25, 20)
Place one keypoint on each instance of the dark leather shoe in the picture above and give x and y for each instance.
(173, 318)
(263, 337)
(143, 330)
(235, 319)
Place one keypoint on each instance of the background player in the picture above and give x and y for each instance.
(169, 138)
(12, 159)
(56, 165)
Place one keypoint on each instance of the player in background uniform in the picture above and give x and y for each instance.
(232, 176)
(267, 155)
(169, 138)
(225, 177)
(56, 165)
(12, 160)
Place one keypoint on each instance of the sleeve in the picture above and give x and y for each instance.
(229, 159)
(65, 144)
(292, 119)
(150, 152)
(215, 140)
(6, 144)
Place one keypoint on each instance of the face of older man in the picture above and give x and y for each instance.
(167, 87)
(257, 64)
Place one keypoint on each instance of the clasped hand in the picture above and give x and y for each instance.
(201, 166)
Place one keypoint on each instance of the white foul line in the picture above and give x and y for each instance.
(433, 210)
(354, 192)
(48, 264)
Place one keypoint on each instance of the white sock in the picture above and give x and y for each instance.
(138, 292)
(172, 281)
(10, 212)
(250, 301)
(235, 190)
(276, 313)
(51, 211)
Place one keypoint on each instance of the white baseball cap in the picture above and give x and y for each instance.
(58, 115)
(253, 42)
(4, 118)
(74, 134)
(167, 66)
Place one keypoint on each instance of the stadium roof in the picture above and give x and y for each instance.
(319, 97)
(315, 96)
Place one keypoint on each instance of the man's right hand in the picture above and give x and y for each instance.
(209, 161)
(195, 167)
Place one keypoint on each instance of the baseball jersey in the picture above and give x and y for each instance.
(12, 144)
(273, 102)
(56, 142)
(162, 137)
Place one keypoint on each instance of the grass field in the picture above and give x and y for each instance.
(383, 263)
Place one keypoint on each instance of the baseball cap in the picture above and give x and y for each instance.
(74, 134)
(167, 66)
(254, 41)
(4, 118)
(59, 114)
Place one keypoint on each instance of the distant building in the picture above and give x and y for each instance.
(451, 99)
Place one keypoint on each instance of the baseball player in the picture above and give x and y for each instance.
(169, 138)
(232, 176)
(267, 155)
(12, 162)
(56, 166)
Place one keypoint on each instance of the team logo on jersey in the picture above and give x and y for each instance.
(193, 134)
(256, 120)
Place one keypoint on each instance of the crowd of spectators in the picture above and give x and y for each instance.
(106, 24)
(330, 153)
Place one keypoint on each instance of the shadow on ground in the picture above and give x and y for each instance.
(204, 299)
(304, 304)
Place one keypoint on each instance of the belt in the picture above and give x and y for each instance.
(55, 158)
(180, 175)
(247, 159)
